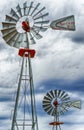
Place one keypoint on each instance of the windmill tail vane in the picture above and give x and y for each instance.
(66, 23)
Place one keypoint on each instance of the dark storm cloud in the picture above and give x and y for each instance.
(78, 39)
(78, 36)
(71, 86)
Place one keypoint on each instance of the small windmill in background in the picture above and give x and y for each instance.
(21, 28)
(56, 103)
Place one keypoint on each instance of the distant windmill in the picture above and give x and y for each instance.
(21, 28)
(56, 103)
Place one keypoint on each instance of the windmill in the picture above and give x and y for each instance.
(56, 103)
(21, 28)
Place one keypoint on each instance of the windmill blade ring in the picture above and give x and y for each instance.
(53, 102)
(13, 30)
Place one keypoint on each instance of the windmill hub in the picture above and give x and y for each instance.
(55, 103)
(27, 19)
(26, 26)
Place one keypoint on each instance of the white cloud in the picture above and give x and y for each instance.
(57, 57)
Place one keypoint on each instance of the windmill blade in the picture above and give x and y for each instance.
(39, 28)
(62, 109)
(54, 112)
(13, 13)
(46, 104)
(9, 32)
(66, 23)
(59, 92)
(46, 101)
(32, 39)
(7, 36)
(19, 10)
(31, 5)
(55, 91)
(48, 98)
(36, 34)
(42, 16)
(39, 11)
(6, 30)
(62, 94)
(11, 40)
(16, 41)
(19, 41)
(64, 97)
(35, 8)
(52, 94)
(10, 18)
(67, 98)
(48, 109)
(42, 22)
(24, 7)
(8, 24)
(49, 95)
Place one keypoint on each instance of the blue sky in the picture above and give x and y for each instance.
(58, 64)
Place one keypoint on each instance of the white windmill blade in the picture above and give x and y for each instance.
(14, 14)
(41, 16)
(8, 24)
(32, 41)
(66, 23)
(35, 8)
(12, 39)
(19, 10)
(36, 34)
(31, 5)
(24, 7)
(76, 104)
(47, 97)
(7, 36)
(42, 22)
(65, 97)
(15, 41)
(10, 18)
(43, 29)
(39, 11)
(6, 30)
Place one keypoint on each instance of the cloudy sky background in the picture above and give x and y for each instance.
(59, 64)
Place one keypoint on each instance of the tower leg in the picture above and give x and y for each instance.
(29, 119)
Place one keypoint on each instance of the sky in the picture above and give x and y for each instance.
(58, 64)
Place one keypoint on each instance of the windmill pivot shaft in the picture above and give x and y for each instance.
(56, 123)
(26, 52)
